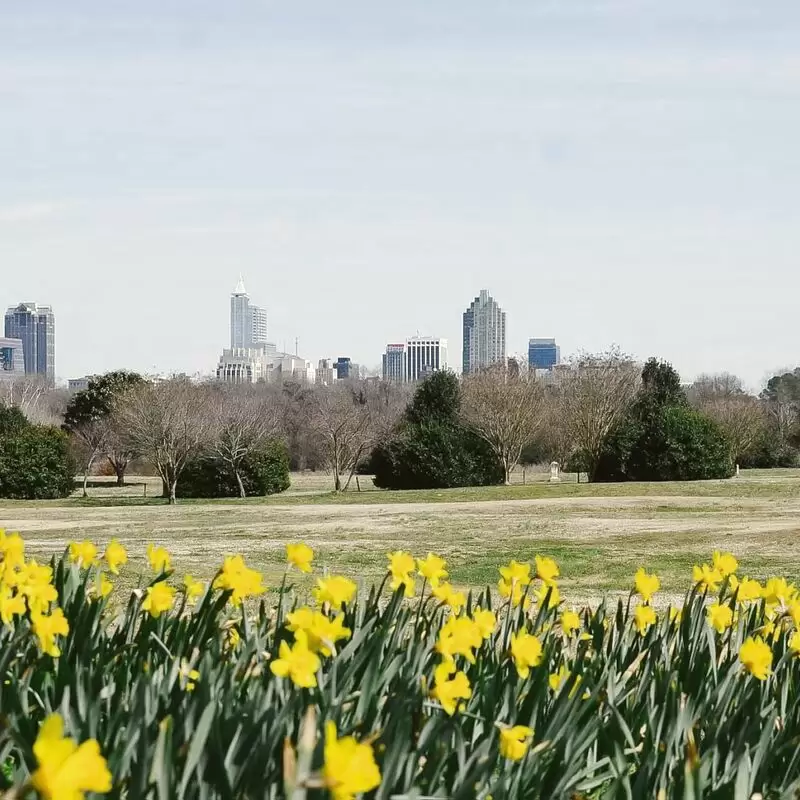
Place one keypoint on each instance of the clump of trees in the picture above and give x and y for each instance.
(89, 417)
(35, 460)
(433, 447)
(661, 438)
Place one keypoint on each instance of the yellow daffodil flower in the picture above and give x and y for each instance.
(350, 767)
(66, 770)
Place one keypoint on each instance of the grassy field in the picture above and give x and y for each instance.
(599, 534)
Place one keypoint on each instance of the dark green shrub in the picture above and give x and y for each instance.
(431, 448)
(662, 438)
(263, 472)
(35, 460)
(435, 456)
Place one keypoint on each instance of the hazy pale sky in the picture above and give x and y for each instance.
(611, 170)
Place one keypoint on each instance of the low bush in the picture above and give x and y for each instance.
(36, 462)
(263, 472)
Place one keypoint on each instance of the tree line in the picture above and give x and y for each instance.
(601, 414)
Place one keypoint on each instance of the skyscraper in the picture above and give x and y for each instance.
(543, 354)
(241, 324)
(258, 326)
(394, 363)
(248, 321)
(35, 326)
(424, 356)
(484, 333)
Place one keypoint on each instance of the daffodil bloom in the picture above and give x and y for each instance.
(445, 594)
(335, 591)
(516, 572)
(159, 599)
(526, 650)
(794, 643)
(401, 565)
(239, 579)
(778, 590)
(720, 617)
(188, 676)
(12, 549)
(300, 556)
(83, 553)
(794, 612)
(646, 585)
(756, 657)
(350, 767)
(546, 570)
(432, 569)
(101, 587)
(459, 636)
(747, 590)
(34, 581)
(548, 589)
(558, 677)
(485, 621)
(724, 563)
(192, 588)
(322, 633)
(11, 605)
(298, 663)
(643, 618)
(46, 627)
(514, 742)
(707, 577)
(515, 591)
(570, 622)
(160, 559)
(232, 638)
(450, 686)
(66, 770)
(115, 555)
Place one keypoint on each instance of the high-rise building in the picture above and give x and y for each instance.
(258, 326)
(394, 363)
(326, 374)
(424, 355)
(241, 323)
(248, 321)
(35, 326)
(484, 334)
(346, 369)
(12, 359)
(543, 354)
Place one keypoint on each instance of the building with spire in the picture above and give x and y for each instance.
(484, 334)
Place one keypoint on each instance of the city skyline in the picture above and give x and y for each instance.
(615, 172)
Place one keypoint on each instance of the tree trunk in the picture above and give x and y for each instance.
(242, 492)
(164, 487)
(120, 470)
(172, 489)
(337, 480)
(86, 475)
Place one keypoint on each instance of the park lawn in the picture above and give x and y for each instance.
(599, 534)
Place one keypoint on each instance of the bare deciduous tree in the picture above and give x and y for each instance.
(169, 423)
(742, 417)
(349, 419)
(595, 392)
(244, 418)
(505, 409)
(714, 386)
